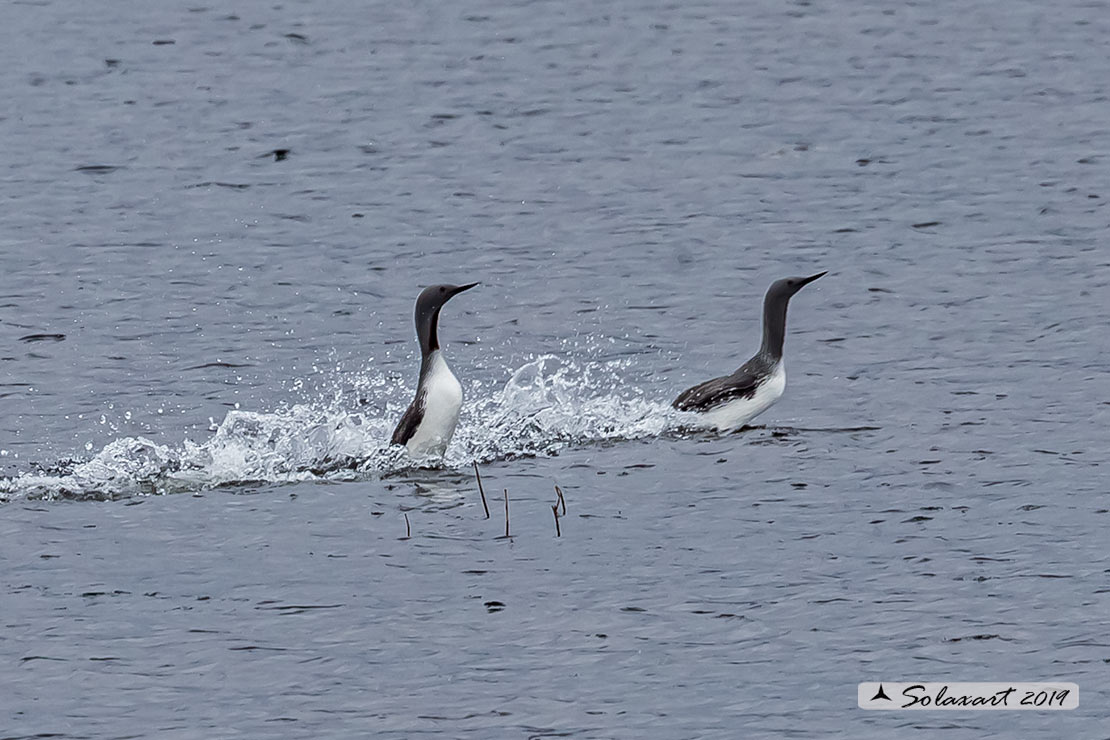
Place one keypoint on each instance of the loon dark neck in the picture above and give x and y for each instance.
(427, 332)
(774, 327)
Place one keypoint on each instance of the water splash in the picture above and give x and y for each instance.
(546, 406)
(549, 404)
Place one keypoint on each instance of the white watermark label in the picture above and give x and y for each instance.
(967, 696)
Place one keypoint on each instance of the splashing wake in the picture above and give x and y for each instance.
(546, 406)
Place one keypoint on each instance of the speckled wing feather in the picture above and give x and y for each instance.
(409, 422)
(712, 393)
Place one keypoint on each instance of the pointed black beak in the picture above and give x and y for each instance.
(460, 288)
(811, 278)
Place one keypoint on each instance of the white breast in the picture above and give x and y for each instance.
(735, 414)
(442, 401)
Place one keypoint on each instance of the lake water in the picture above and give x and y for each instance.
(216, 219)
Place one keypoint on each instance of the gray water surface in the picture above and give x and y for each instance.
(215, 221)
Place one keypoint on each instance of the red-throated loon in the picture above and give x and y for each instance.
(429, 422)
(731, 401)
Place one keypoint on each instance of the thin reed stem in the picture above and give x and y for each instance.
(480, 490)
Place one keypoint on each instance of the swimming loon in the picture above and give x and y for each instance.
(429, 422)
(731, 401)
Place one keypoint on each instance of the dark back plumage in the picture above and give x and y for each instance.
(718, 391)
(410, 421)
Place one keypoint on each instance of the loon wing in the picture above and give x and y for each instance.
(414, 414)
(712, 393)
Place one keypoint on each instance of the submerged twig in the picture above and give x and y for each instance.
(408, 529)
(506, 512)
(479, 477)
(563, 501)
(555, 511)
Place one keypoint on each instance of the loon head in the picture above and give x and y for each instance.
(428, 304)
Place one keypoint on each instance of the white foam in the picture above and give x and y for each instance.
(547, 405)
